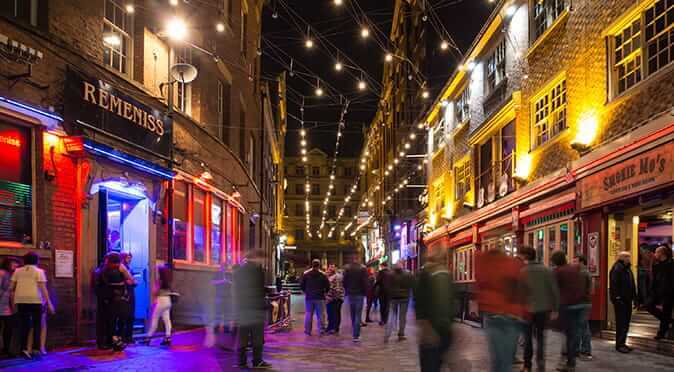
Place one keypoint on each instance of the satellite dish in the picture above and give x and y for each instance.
(183, 72)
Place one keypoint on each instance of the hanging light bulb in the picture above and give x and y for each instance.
(364, 32)
(303, 142)
(407, 145)
(338, 66)
(338, 2)
(220, 27)
(425, 94)
(319, 91)
(362, 85)
(303, 132)
(413, 136)
(130, 8)
(173, 2)
(444, 45)
(309, 43)
(388, 57)
(304, 159)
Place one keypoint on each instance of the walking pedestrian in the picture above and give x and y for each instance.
(434, 305)
(315, 285)
(249, 294)
(382, 289)
(402, 283)
(574, 293)
(659, 303)
(131, 289)
(162, 305)
(502, 295)
(355, 281)
(371, 298)
(116, 280)
(29, 295)
(334, 300)
(7, 315)
(585, 342)
(103, 335)
(622, 291)
(542, 304)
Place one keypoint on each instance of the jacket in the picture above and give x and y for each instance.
(336, 291)
(543, 293)
(574, 285)
(622, 287)
(249, 293)
(314, 284)
(355, 280)
(382, 286)
(662, 289)
(434, 298)
(500, 287)
(402, 284)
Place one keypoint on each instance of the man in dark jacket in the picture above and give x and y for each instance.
(401, 288)
(623, 292)
(382, 288)
(434, 305)
(315, 285)
(355, 281)
(659, 303)
(249, 292)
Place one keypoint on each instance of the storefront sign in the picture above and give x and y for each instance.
(64, 264)
(101, 105)
(640, 173)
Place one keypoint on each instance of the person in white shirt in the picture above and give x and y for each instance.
(29, 295)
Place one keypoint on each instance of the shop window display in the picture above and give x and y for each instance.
(16, 202)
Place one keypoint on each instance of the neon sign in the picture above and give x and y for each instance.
(11, 141)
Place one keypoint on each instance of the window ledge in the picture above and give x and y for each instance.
(561, 19)
(643, 84)
(191, 266)
(18, 249)
(557, 138)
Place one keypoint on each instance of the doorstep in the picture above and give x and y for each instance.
(665, 347)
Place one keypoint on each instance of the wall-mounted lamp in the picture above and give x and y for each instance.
(523, 168)
(586, 133)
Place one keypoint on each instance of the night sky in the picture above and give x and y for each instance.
(284, 31)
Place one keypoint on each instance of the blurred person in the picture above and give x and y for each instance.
(43, 335)
(502, 295)
(623, 293)
(585, 334)
(371, 298)
(382, 290)
(162, 305)
(402, 283)
(103, 335)
(542, 304)
(355, 281)
(7, 316)
(659, 303)
(221, 312)
(251, 307)
(29, 294)
(315, 285)
(131, 289)
(115, 280)
(334, 299)
(574, 295)
(434, 306)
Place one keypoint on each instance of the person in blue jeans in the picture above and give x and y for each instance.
(315, 285)
(584, 333)
(355, 282)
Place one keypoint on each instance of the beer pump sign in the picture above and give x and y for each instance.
(99, 104)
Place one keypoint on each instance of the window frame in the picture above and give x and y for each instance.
(126, 36)
(546, 104)
(462, 176)
(462, 106)
(496, 66)
(559, 7)
(183, 91)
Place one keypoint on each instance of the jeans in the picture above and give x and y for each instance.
(584, 332)
(252, 334)
(334, 315)
(30, 316)
(432, 357)
(356, 309)
(161, 309)
(384, 305)
(535, 329)
(313, 307)
(399, 313)
(572, 319)
(502, 333)
(623, 316)
(371, 301)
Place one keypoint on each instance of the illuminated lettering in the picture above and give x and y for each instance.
(89, 91)
(128, 111)
(103, 98)
(138, 116)
(160, 128)
(116, 105)
(11, 141)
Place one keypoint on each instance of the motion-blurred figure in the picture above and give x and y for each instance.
(382, 289)
(434, 305)
(355, 281)
(585, 342)
(371, 298)
(162, 305)
(659, 303)
(402, 283)
(623, 293)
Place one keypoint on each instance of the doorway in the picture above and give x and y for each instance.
(125, 219)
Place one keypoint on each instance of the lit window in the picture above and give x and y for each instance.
(315, 189)
(659, 24)
(462, 179)
(16, 184)
(438, 134)
(549, 114)
(496, 66)
(546, 13)
(180, 222)
(118, 26)
(216, 231)
(627, 56)
(199, 243)
(463, 106)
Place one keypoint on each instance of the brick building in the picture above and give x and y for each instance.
(97, 161)
(555, 132)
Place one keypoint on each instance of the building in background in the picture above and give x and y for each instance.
(556, 132)
(94, 160)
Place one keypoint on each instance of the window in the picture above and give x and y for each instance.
(242, 135)
(462, 179)
(438, 135)
(228, 10)
(299, 171)
(464, 264)
(23, 10)
(655, 26)
(348, 171)
(508, 144)
(244, 30)
(549, 113)
(332, 211)
(486, 165)
(299, 188)
(438, 197)
(315, 189)
(299, 234)
(224, 102)
(496, 67)
(216, 230)
(299, 211)
(16, 184)
(462, 110)
(180, 222)
(117, 35)
(199, 243)
(545, 14)
(315, 171)
(183, 55)
(315, 211)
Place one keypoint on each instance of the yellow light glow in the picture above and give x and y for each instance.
(433, 219)
(449, 211)
(523, 166)
(586, 132)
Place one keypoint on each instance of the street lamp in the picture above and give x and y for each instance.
(176, 29)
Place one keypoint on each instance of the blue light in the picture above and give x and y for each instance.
(396, 227)
(31, 108)
(126, 159)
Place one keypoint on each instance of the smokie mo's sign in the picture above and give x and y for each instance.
(101, 105)
(640, 173)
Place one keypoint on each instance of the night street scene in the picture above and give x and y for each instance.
(337, 185)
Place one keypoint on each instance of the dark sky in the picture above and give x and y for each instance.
(283, 41)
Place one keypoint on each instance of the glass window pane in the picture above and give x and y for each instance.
(15, 184)
(564, 238)
(199, 254)
(540, 244)
(552, 236)
(180, 220)
(216, 231)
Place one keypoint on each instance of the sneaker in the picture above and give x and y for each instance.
(585, 357)
(261, 365)
(307, 333)
(26, 355)
(356, 339)
(623, 349)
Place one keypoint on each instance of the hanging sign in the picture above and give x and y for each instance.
(101, 105)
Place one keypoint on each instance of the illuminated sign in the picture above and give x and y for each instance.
(11, 141)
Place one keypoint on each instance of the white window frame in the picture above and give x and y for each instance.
(462, 177)
(544, 13)
(462, 106)
(496, 66)
(125, 32)
(548, 110)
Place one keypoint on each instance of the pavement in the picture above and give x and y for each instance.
(295, 351)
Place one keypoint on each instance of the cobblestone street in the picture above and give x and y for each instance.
(296, 351)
